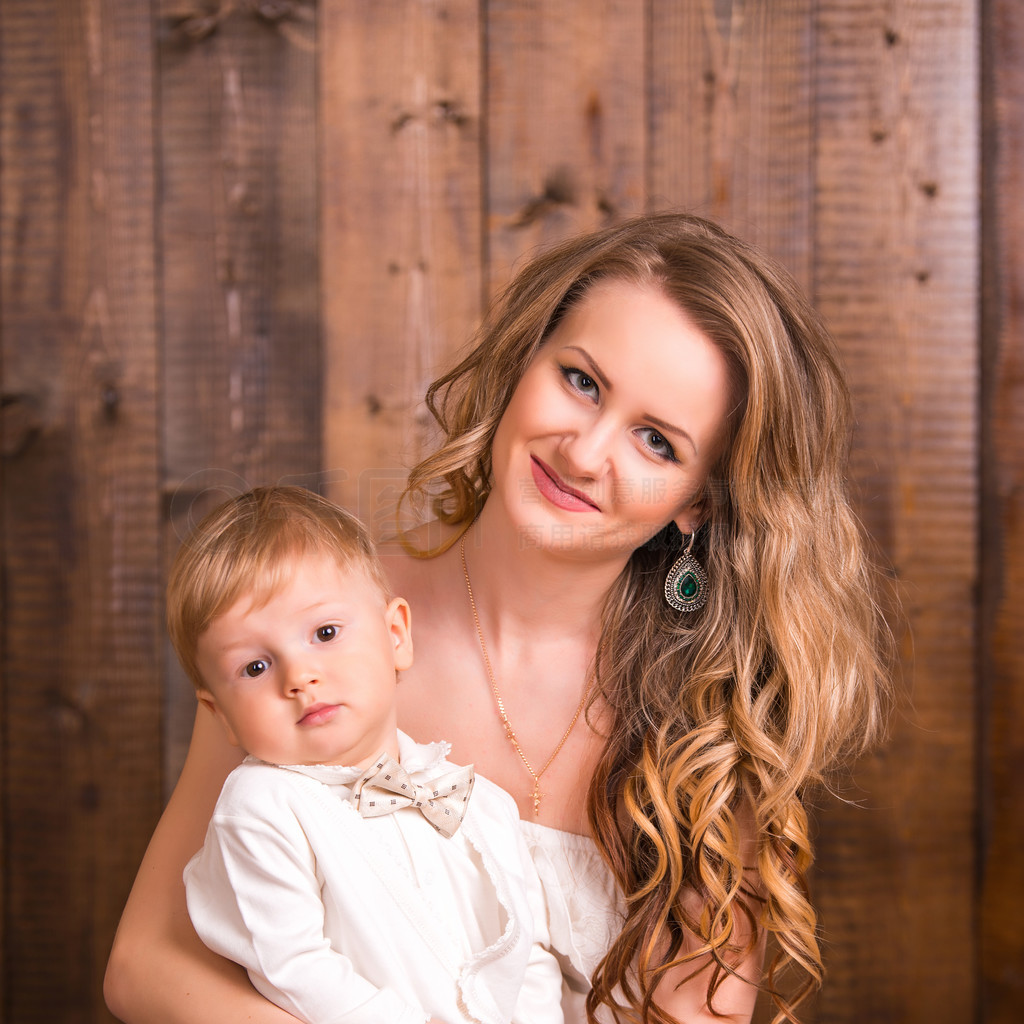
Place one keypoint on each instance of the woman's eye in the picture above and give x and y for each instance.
(255, 668)
(325, 633)
(657, 443)
(580, 381)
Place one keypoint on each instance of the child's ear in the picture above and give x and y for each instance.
(398, 617)
(208, 701)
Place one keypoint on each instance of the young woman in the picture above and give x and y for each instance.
(643, 606)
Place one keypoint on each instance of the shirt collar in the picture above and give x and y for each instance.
(414, 757)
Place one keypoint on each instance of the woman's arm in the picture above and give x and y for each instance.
(733, 1002)
(735, 998)
(159, 970)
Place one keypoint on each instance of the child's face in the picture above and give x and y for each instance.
(309, 677)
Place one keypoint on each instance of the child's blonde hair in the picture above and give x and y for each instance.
(246, 545)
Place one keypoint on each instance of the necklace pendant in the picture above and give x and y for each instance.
(500, 704)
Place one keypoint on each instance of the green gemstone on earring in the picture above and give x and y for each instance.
(688, 586)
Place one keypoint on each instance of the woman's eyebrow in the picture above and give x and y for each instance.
(605, 382)
(669, 428)
(595, 369)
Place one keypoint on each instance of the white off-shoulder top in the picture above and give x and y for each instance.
(585, 910)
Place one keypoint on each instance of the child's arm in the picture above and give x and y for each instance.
(540, 998)
(254, 897)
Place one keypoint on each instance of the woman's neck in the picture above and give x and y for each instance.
(527, 592)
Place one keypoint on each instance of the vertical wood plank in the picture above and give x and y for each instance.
(896, 270)
(81, 729)
(401, 234)
(240, 320)
(732, 119)
(1002, 536)
(566, 122)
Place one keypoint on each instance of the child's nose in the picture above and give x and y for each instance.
(300, 675)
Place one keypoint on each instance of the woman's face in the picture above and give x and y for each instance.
(614, 427)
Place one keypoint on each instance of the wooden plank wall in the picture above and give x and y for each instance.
(81, 511)
(401, 243)
(240, 312)
(1001, 612)
(896, 274)
(239, 238)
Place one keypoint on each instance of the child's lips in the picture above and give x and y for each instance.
(318, 714)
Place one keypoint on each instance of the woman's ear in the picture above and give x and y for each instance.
(692, 517)
(694, 514)
(398, 617)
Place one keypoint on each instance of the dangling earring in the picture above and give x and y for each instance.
(686, 586)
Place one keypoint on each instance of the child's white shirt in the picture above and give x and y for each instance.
(342, 919)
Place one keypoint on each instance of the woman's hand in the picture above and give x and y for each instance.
(158, 970)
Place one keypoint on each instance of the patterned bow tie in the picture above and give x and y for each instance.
(386, 787)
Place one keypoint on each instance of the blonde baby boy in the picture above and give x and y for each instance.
(357, 875)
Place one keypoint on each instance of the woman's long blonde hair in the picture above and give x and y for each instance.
(724, 717)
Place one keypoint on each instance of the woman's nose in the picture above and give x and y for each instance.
(588, 450)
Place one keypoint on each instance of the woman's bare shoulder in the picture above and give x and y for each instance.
(412, 567)
(442, 634)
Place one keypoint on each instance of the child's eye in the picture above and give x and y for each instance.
(325, 633)
(255, 668)
(580, 381)
(657, 443)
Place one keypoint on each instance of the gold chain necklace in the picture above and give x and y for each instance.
(509, 731)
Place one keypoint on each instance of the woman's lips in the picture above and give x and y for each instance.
(556, 490)
(317, 714)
